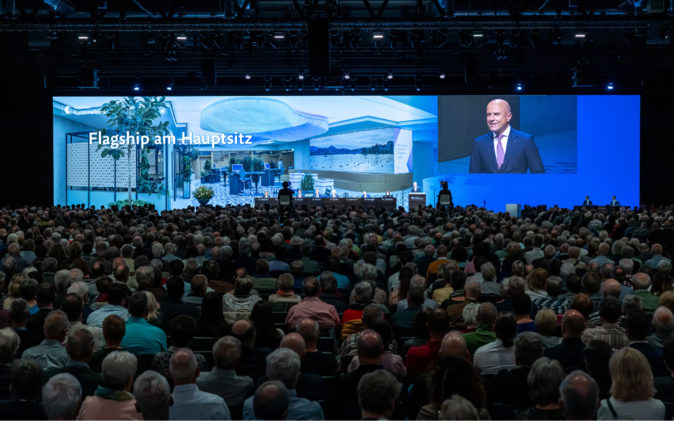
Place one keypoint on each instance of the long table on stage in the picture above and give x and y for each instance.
(388, 202)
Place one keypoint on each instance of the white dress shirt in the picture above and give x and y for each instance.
(494, 357)
(504, 141)
(190, 403)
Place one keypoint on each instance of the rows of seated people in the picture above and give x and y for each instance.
(341, 313)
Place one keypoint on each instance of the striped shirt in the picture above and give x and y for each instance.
(610, 333)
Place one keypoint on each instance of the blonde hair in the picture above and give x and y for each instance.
(517, 268)
(631, 375)
(537, 279)
(14, 288)
(152, 306)
(546, 322)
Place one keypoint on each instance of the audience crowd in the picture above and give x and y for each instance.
(336, 313)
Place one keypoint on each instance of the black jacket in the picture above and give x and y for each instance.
(569, 354)
(89, 380)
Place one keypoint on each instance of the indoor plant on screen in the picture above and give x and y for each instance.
(203, 194)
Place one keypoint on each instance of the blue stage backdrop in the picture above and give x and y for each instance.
(601, 147)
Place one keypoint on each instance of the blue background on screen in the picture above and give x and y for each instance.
(604, 142)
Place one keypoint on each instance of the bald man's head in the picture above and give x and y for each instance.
(370, 346)
(294, 342)
(612, 287)
(454, 345)
(309, 330)
(498, 115)
(573, 324)
(244, 331)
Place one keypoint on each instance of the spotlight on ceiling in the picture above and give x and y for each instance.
(610, 86)
(300, 76)
(373, 83)
(378, 35)
(267, 84)
(389, 76)
(417, 83)
(248, 76)
(386, 83)
(519, 87)
(279, 35)
(181, 37)
(346, 76)
(441, 76)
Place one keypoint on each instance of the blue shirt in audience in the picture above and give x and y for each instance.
(143, 338)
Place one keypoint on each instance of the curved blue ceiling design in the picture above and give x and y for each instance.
(263, 118)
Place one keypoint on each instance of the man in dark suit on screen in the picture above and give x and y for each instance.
(504, 150)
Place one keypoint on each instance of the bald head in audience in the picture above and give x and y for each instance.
(294, 342)
(454, 345)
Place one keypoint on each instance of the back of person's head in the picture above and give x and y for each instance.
(521, 304)
(529, 347)
(371, 314)
(114, 329)
(579, 396)
(9, 345)
(284, 365)
(505, 328)
(378, 391)
(583, 304)
(175, 287)
(61, 397)
(370, 344)
(45, 295)
(56, 324)
(182, 328)
(637, 325)
(80, 345)
(118, 367)
(631, 375)
(271, 401)
(26, 379)
(153, 395)
(438, 322)
(138, 304)
(610, 309)
(117, 293)
(458, 281)
(363, 292)
(311, 287)
(244, 331)
(183, 365)
(28, 289)
(415, 296)
(597, 355)
(18, 310)
(226, 352)
(73, 307)
(486, 314)
(546, 322)
(458, 408)
(308, 329)
(544, 380)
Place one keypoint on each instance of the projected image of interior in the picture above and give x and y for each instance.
(242, 149)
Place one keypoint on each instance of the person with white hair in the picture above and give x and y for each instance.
(458, 408)
(115, 398)
(284, 365)
(663, 322)
(62, 281)
(189, 402)
(222, 380)
(62, 397)
(153, 396)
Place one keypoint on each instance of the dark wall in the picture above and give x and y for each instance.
(26, 164)
(464, 118)
(657, 145)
